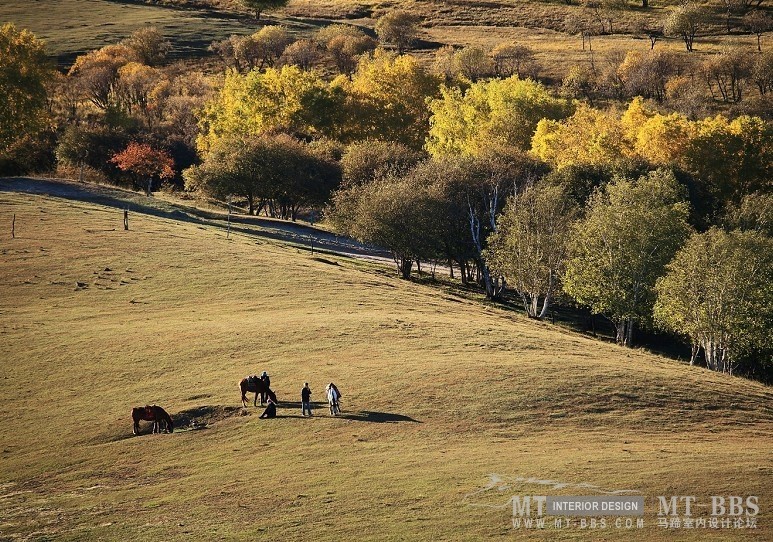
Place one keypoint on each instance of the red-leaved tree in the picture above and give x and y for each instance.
(145, 162)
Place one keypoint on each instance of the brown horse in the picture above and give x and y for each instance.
(156, 414)
(253, 384)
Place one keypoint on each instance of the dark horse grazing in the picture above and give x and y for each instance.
(154, 414)
(253, 384)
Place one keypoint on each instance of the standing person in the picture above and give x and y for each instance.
(333, 397)
(306, 399)
(263, 395)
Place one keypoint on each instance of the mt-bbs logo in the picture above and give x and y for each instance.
(720, 506)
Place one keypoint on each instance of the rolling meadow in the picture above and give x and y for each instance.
(604, 175)
(443, 397)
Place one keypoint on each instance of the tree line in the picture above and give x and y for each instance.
(653, 218)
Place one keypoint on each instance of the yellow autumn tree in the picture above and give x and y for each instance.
(658, 139)
(287, 99)
(491, 113)
(589, 137)
(386, 99)
(732, 158)
(24, 70)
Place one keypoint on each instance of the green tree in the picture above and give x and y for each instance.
(24, 71)
(498, 112)
(366, 161)
(718, 292)
(580, 82)
(259, 6)
(273, 171)
(73, 148)
(755, 212)
(530, 247)
(391, 213)
(632, 229)
(469, 193)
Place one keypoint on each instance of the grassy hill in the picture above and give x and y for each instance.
(439, 394)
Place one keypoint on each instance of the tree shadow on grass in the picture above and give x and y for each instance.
(201, 416)
(195, 418)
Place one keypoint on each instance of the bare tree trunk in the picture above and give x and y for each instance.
(405, 267)
(710, 352)
(463, 271)
(620, 332)
(548, 296)
(694, 354)
(624, 331)
(525, 299)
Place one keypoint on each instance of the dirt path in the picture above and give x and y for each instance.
(289, 232)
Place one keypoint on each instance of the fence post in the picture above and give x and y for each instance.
(126, 219)
(228, 233)
(13, 227)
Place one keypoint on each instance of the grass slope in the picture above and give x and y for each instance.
(72, 27)
(439, 394)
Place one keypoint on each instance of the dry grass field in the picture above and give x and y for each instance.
(72, 27)
(439, 393)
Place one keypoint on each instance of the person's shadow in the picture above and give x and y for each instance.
(360, 416)
(377, 417)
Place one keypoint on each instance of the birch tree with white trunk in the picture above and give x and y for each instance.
(631, 230)
(718, 292)
(530, 246)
